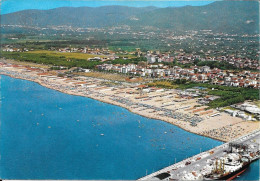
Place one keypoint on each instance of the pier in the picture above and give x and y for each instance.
(194, 168)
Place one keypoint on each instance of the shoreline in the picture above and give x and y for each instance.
(116, 105)
(179, 123)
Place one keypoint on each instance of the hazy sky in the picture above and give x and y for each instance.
(9, 6)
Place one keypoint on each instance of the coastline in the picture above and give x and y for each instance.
(107, 99)
(112, 103)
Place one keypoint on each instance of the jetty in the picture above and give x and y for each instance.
(196, 167)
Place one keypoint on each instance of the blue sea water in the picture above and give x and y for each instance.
(252, 173)
(46, 134)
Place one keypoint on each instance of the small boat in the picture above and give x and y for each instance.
(102, 134)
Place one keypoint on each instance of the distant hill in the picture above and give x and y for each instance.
(71, 16)
(220, 16)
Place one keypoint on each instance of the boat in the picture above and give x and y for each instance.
(229, 170)
(228, 175)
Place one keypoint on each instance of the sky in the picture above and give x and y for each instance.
(9, 6)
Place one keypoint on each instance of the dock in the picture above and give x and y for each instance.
(194, 168)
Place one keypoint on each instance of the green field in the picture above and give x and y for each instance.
(53, 58)
(163, 84)
(65, 54)
(69, 60)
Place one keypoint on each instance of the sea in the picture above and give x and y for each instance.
(46, 134)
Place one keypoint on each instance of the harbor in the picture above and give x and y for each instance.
(223, 162)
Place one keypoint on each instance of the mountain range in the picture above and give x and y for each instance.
(219, 16)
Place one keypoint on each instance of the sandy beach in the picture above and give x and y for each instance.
(159, 104)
